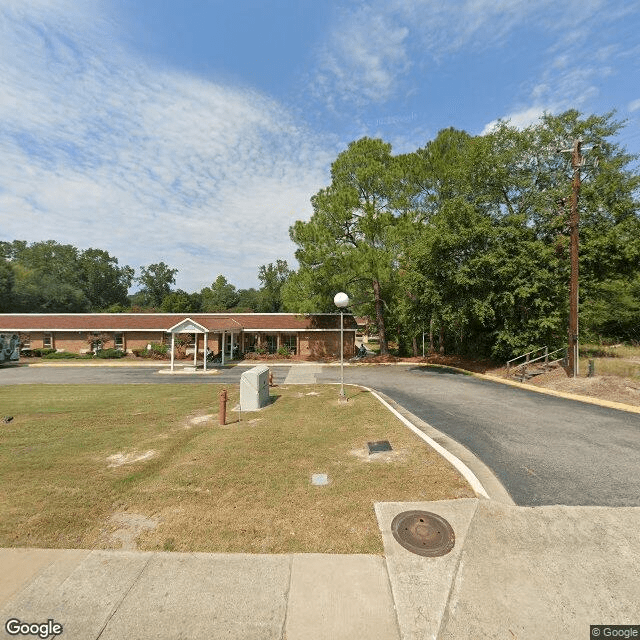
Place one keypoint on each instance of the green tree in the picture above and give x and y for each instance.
(180, 301)
(37, 291)
(220, 296)
(348, 242)
(47, 277)
(272, 279)
(7, 282)
(103, 281)
(248, 300)
(54, 277)
(490, 260)
(156, 281)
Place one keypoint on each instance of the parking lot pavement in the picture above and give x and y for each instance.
(70, 374)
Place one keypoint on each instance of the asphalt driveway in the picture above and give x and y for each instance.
(544, 450)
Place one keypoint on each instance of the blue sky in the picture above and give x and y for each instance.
(196, 131)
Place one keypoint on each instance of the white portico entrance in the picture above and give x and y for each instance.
(190, 326)
(225, 330)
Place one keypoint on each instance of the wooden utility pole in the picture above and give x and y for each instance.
(576, 163)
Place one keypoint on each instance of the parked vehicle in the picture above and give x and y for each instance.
(9, 347)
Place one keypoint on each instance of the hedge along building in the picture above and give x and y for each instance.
(307, 337)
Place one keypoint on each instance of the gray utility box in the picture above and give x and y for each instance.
(254, 388)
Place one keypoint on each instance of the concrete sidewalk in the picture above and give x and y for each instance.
(514, 572)
(113, 595)
(517, 572)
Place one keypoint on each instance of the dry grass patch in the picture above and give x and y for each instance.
(242, 488)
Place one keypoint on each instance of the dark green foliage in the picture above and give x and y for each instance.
(47, 277)
(272, 278)
(613, 311)
(7, 283)
(156, 281)
(468, 237)
(40, 353)
(181, 302)
(110, 354)
(220, 296)
(67, 355)
(349, 244)
(157, 352)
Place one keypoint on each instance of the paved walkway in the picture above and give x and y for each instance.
(514, 572)
(305, 374)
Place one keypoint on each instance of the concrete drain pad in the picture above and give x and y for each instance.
(423, 532)
(319, 479)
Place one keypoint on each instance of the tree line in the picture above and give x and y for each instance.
(48, 277)
(465, 239)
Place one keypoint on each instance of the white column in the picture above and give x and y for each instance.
(223, 348)
(172, 345)
(195, 350)
(206, 341)
(232, 341)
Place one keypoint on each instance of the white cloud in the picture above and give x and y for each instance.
(519, 119)
(373, 47)
(100, 149)
(634, 105)
(563, 82)
(363, 58)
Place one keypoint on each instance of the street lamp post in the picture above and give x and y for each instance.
(341, 300)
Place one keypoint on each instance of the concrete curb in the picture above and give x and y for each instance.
(201, 372)
(620, 406)
(437, 441)
(488, 480)
(460, 466)
(163, 363)
(95, 365)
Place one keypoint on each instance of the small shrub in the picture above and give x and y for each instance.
(157, 351)
(110, 354)
(284, 352)
(41, 353)
(67, 355)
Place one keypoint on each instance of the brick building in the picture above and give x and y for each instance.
(306, 336)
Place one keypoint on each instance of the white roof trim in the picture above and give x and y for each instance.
(187, 326)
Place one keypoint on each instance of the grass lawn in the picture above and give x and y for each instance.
(611, 367)
(86, 466)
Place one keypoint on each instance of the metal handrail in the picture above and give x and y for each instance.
(545, 356)
(524, 356)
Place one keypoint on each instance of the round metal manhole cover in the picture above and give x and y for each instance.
(423, 532)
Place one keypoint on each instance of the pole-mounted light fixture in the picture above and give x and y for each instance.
(341, 300)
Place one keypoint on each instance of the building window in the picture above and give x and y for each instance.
(118, 341)
(47, 341)
(290, 341)
(270, 342)
(25, 341)
(250, 342)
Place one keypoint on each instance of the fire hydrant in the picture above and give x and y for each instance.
(222, 411)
